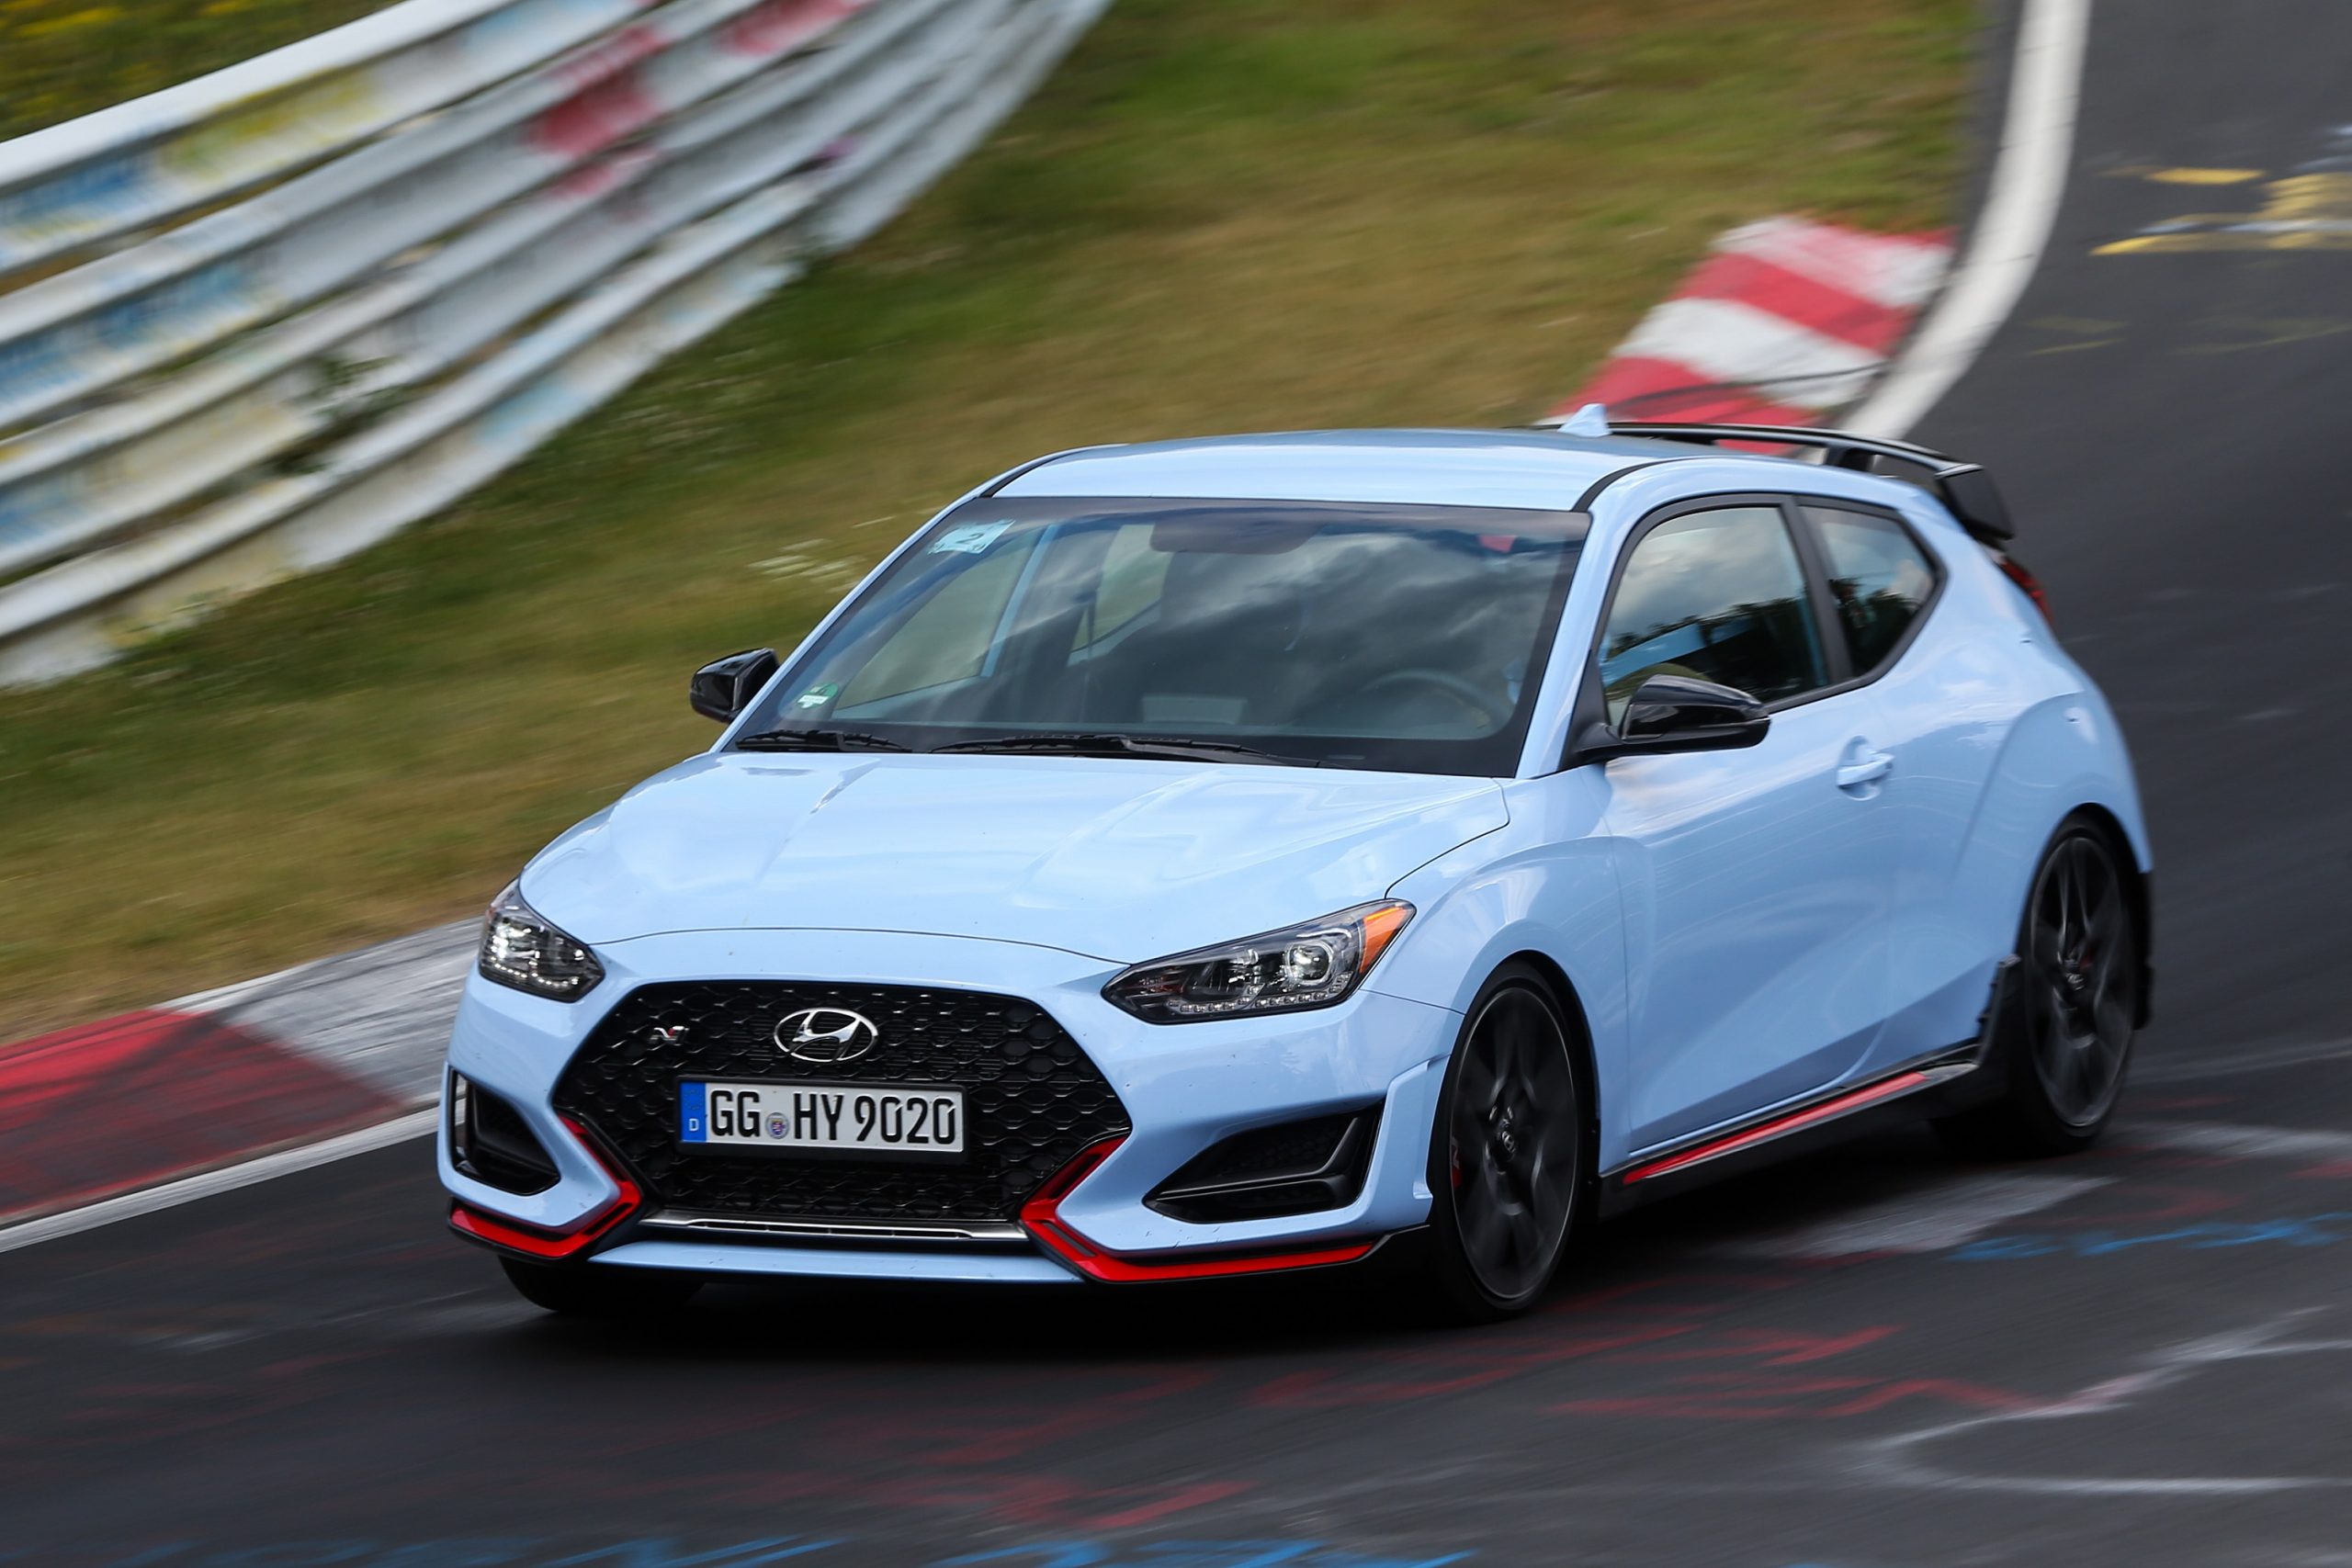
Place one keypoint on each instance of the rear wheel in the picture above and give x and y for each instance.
(608, 1292)
(2063, 1039)
(1508, 1154)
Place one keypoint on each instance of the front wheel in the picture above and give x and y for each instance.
(608, 1292)
(1508, 1154)
(2064, 1036)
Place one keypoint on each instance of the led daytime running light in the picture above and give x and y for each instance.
(523, 949)
(1313, 964)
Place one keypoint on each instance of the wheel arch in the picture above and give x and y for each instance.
(2138, 896)
(2062, 760)
(1564, 992)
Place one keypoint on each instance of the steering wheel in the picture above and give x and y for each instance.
(1445, 681)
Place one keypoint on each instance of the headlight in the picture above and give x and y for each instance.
(520, 948)
(1309, 965)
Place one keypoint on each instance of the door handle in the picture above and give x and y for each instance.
(1869, 768)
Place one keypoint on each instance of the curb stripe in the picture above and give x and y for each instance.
(1895, 272)
(228, 1178)
(1726, 340)
(1872, 327)
(130, 1101)
(1786, 320)
(1664, 389)
(137, 1100)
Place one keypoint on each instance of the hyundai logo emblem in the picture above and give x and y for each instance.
(826, 1034)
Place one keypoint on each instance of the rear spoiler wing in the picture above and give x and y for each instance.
(1965, 488)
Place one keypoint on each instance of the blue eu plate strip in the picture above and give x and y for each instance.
(694, 1127)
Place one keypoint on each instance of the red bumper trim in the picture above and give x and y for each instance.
(532, 1241)
(1041, 1217)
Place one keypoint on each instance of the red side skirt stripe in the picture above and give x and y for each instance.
(1780, 1126)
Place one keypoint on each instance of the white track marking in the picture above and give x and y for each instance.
(2029, 184)
(2244, 1143)
(188, 1188)
(1896, 1460)
(2261, 1060)
(1951, 1214)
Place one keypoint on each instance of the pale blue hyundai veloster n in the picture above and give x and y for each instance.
(1216, 857)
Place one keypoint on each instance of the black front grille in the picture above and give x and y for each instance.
(1032, 1099)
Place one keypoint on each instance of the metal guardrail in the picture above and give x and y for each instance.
(253, 324)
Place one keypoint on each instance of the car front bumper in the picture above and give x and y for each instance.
(1185, 1088)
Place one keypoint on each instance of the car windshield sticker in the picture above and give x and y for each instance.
(817, 696)
(971, 538)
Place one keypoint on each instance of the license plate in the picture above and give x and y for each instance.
(864, 1119)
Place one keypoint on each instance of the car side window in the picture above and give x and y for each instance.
(1718, 594)
(1879, 576)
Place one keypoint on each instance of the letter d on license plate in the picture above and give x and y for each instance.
(855, 1118)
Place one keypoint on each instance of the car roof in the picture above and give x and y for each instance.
(1532, 469)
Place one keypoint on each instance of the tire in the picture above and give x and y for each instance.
(608, 1293)
(2062, 1041)
(1510, 1153)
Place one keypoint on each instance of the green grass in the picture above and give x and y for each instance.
(1260, 213)
(63, 58)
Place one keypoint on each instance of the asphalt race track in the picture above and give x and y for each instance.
(1875, 1358)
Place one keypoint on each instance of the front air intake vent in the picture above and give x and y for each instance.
(1292, 1167)
(490, 1141)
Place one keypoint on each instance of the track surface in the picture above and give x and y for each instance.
(1877, 1358)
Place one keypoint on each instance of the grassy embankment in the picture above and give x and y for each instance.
(63, 58)
(1261, 213)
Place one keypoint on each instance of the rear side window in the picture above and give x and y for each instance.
(1717, 594)
(1880, 578)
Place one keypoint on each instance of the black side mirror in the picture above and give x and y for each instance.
(724, 688)
(1679, 713)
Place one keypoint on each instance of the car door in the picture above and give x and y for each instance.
(1947, 695)
(1756, 882)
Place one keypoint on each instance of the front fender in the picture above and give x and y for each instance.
(1546, 886)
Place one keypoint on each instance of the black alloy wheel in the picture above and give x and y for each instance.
(1509, 1158)
(2072, 1008)
(2080, 973)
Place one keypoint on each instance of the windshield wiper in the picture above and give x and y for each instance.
(1113, 744)
(816, 740)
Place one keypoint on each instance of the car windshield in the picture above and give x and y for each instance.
(1400, 638)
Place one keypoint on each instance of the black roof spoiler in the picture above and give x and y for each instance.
(1965, 488)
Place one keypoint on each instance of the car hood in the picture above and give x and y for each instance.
(1115, 859)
